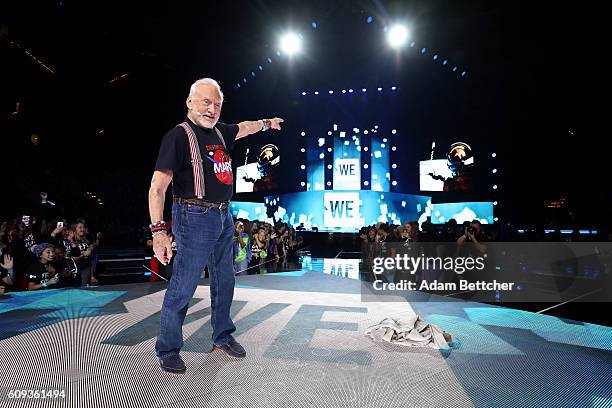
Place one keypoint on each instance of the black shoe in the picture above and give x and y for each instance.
(232, 348)
(172, 364)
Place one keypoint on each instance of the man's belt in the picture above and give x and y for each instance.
(197, 201)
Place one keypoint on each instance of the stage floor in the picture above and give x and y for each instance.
(303, 332)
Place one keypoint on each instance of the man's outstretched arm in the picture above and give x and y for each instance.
(249, 127)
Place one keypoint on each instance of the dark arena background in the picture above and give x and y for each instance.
(414, 132)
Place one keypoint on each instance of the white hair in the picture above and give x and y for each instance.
(205, 81)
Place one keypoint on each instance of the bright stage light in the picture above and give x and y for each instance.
(397, 36)
(291, 44)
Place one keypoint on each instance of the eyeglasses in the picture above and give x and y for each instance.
(206, 102)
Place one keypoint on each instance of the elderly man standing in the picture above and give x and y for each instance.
(195, 157)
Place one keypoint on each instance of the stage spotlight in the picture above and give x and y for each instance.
(303, 167)
(423, 50)
(316, 92)
(344, 91)
(394, 166)
(365, 183)
(363, 90)
(302, 150)
(331, 92)
(494, 171)
(493, 154)
(394, 183)
(379, 89)
(329, 166)
(494, 202)
(365, 166)
(393, 148)
(291, 44)
(328, 183)
(304, 93)
(302, 184)
(314, 24)
(365, 149)
(494, 186)
(329, 149)
(369, 19)
(397, 36)
(303, 133)
(393, 88)
(435, 57)
(495, 219)
(384, 140)
(350, 91)
(394, 131)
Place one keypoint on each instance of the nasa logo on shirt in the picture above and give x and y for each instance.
(222, 166)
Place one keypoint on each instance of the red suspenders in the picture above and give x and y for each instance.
(196, 159)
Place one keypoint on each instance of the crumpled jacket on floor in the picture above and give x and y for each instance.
(414, 332)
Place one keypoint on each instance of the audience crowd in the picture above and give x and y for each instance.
(39, 254)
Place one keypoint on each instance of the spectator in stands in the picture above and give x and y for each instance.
(450, 233)
(259, 247)
(41, 274)
(7, 274)
(80, 252)
(410, 232)
(242, 249)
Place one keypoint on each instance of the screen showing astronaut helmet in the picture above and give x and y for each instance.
(261, 175)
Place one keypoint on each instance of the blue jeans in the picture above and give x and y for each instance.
(203, 238)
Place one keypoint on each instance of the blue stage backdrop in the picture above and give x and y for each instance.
(249, 211)
(344, 211)
(461, 212)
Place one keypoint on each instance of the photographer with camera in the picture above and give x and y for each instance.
(473, 234)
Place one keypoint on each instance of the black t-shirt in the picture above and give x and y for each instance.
(39, 273)
(3, 274)
(174, 154)
(75, 252)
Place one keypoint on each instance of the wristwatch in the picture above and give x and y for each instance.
(266, 124)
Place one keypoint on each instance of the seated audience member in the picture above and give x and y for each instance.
(41, 274)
